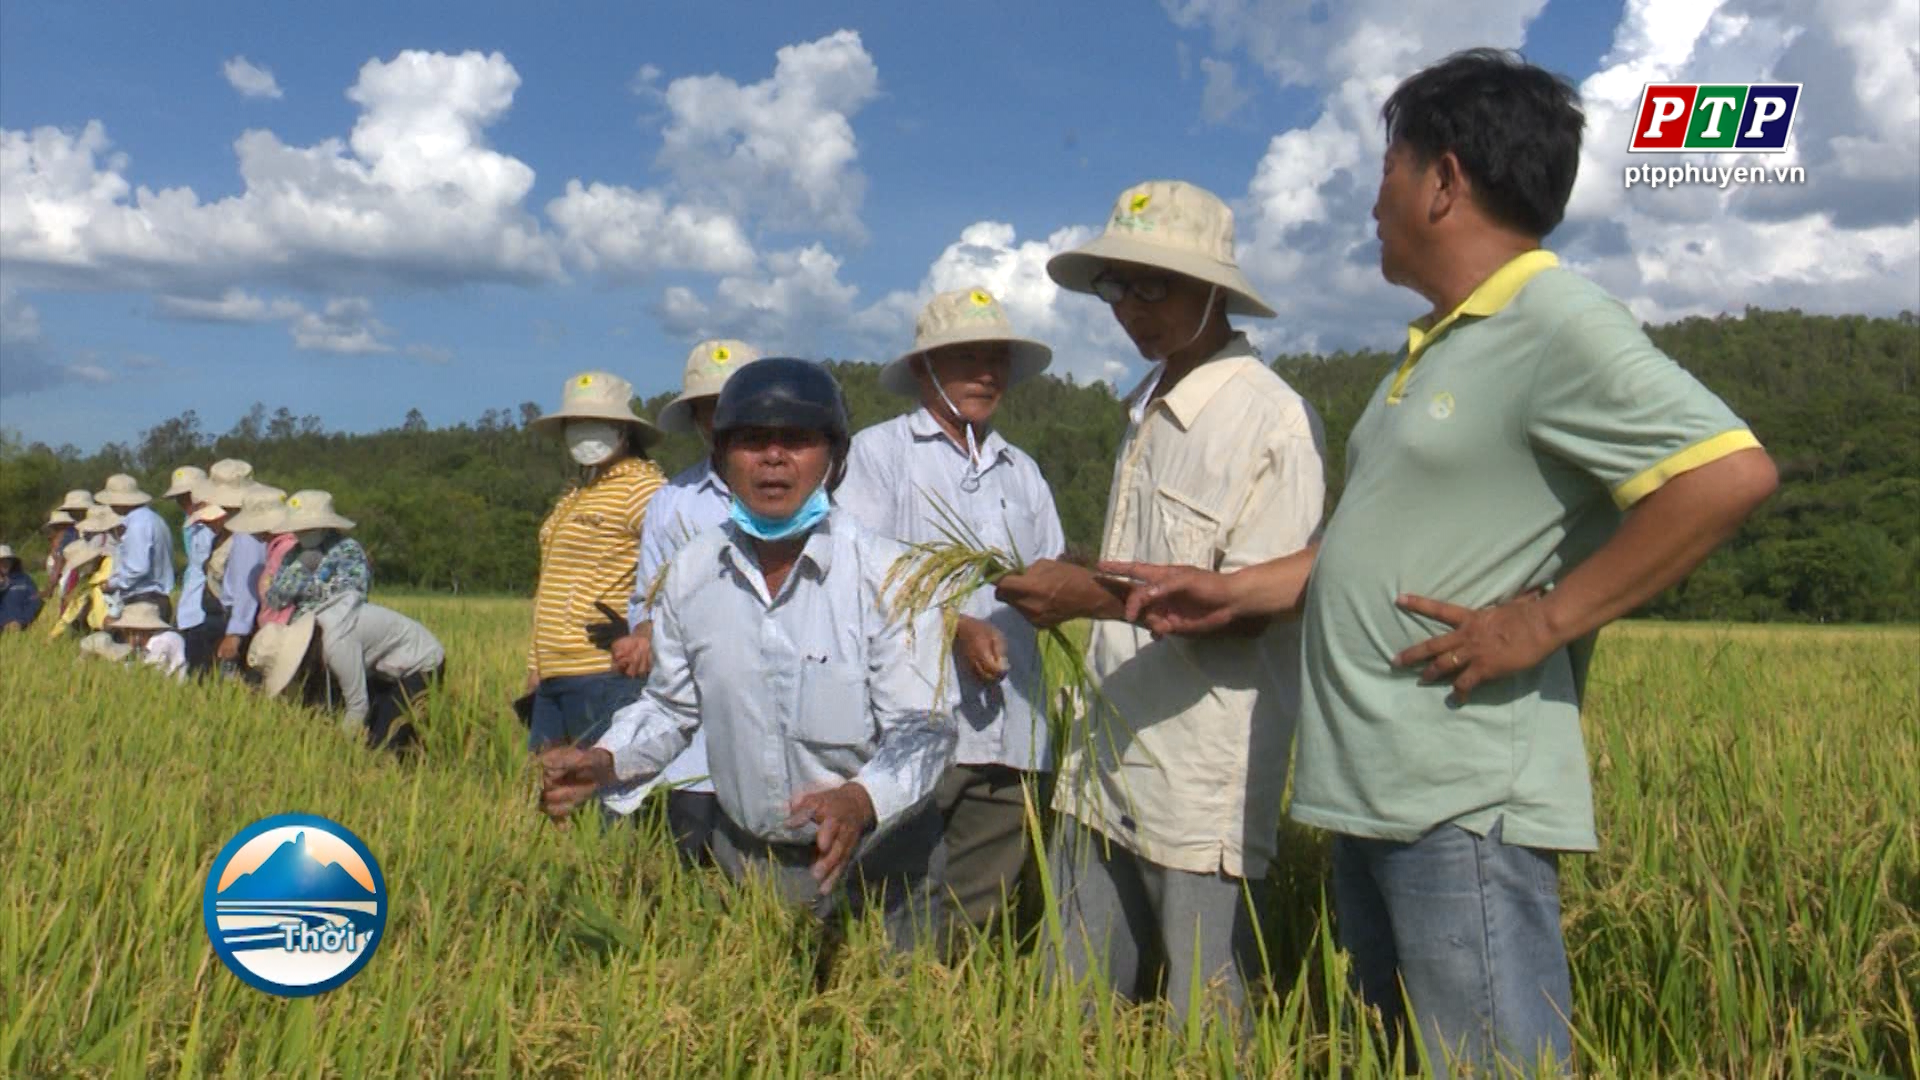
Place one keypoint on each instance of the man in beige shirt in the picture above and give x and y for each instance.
(1171, 785)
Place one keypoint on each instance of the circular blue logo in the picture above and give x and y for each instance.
(295, 905)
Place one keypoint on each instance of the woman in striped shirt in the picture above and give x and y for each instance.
(588, 547)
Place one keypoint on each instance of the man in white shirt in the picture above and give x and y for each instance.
(905, 479)
(1171, 786)
(825, 731)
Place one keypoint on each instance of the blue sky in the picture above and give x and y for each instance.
(455, 213)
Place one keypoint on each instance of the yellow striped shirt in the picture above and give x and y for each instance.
(589, 546)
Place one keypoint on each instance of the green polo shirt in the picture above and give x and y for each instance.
(1499, 455)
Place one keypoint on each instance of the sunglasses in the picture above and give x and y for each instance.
(1147, 290)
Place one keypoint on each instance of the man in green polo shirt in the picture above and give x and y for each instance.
(1537, 462)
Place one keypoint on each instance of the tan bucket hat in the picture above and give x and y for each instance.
(184, 480)
(101, 644)
(312, 509)
(81, 552)
(58, 519)
(76, 502)
(708, 367)
(1169, 225)
(263, 510)
(964, 317)
(599, 395)
(276, 652)
(122, 490)
(98, 520)
(231, 472)
(140, 615)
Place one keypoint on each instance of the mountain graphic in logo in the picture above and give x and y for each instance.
(295, 905)
(292, 873)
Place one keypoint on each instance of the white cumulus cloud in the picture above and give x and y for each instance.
(782, 149)
(250, 79)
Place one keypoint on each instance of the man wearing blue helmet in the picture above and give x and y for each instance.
(826, 729)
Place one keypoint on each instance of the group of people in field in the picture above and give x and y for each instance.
(1531, 469)
(273, 592)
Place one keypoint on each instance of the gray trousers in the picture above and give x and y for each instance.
(889, 874)
(982, 850)
(1118, 912)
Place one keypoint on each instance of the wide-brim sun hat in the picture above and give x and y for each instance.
(229, 496)
(312, 509)
(76, 501)
(969, 316)
(207, 512)
(101, 644)
(276, 652)
(709, 366)
(99, 519)
(121, 490)
(263, 511)
(1165, 225)
(600, 395)
(140, 615)
(7, 553)
(184, 480)
(58, 519)
(80, 553)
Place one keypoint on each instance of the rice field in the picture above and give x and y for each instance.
(1752, 912)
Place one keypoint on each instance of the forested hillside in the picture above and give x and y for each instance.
(1834, 398)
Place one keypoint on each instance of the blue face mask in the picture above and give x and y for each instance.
(811, 513)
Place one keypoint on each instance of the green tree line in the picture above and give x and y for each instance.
(457, 508)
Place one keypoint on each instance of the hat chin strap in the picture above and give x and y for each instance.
(973, 444)
(1213, 291)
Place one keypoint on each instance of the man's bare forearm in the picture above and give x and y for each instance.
(1662, 540)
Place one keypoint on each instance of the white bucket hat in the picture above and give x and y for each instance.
(598, 395)
(262, 510)
(231, 472)
(312, 509)
(76, 502)
(81, 552)
(185, 479)
(1169, 225)
(964, 317)
(101, 644)
(7, 553)
(140, 615)
(122, 490)
(99, 519)
(708, 367)
(58, 519)
(276, 652)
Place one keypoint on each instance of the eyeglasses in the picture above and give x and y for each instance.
(1147, 290)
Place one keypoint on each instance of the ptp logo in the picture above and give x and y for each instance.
(1732, 118)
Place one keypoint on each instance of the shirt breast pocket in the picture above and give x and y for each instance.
(1190, 529)
(833, 717)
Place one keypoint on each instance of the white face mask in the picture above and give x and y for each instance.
(591, 442)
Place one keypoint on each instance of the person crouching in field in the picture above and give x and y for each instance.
(1534, 468)
(328, 562)
(383, 664)
(144, 626)
(824, 732)
(694, 501)
(589, 545)
(904, 477)
(19, 597)
(84, 607)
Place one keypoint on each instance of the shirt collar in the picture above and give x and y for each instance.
(1193, 392)
(1487, 298)
(925, 426)
(817, 551)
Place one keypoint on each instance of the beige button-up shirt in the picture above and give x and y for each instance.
(1183, 755)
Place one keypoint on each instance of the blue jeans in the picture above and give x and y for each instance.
(578, 708)
(1471, 926)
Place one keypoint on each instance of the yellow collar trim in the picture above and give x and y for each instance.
(1488, 298)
